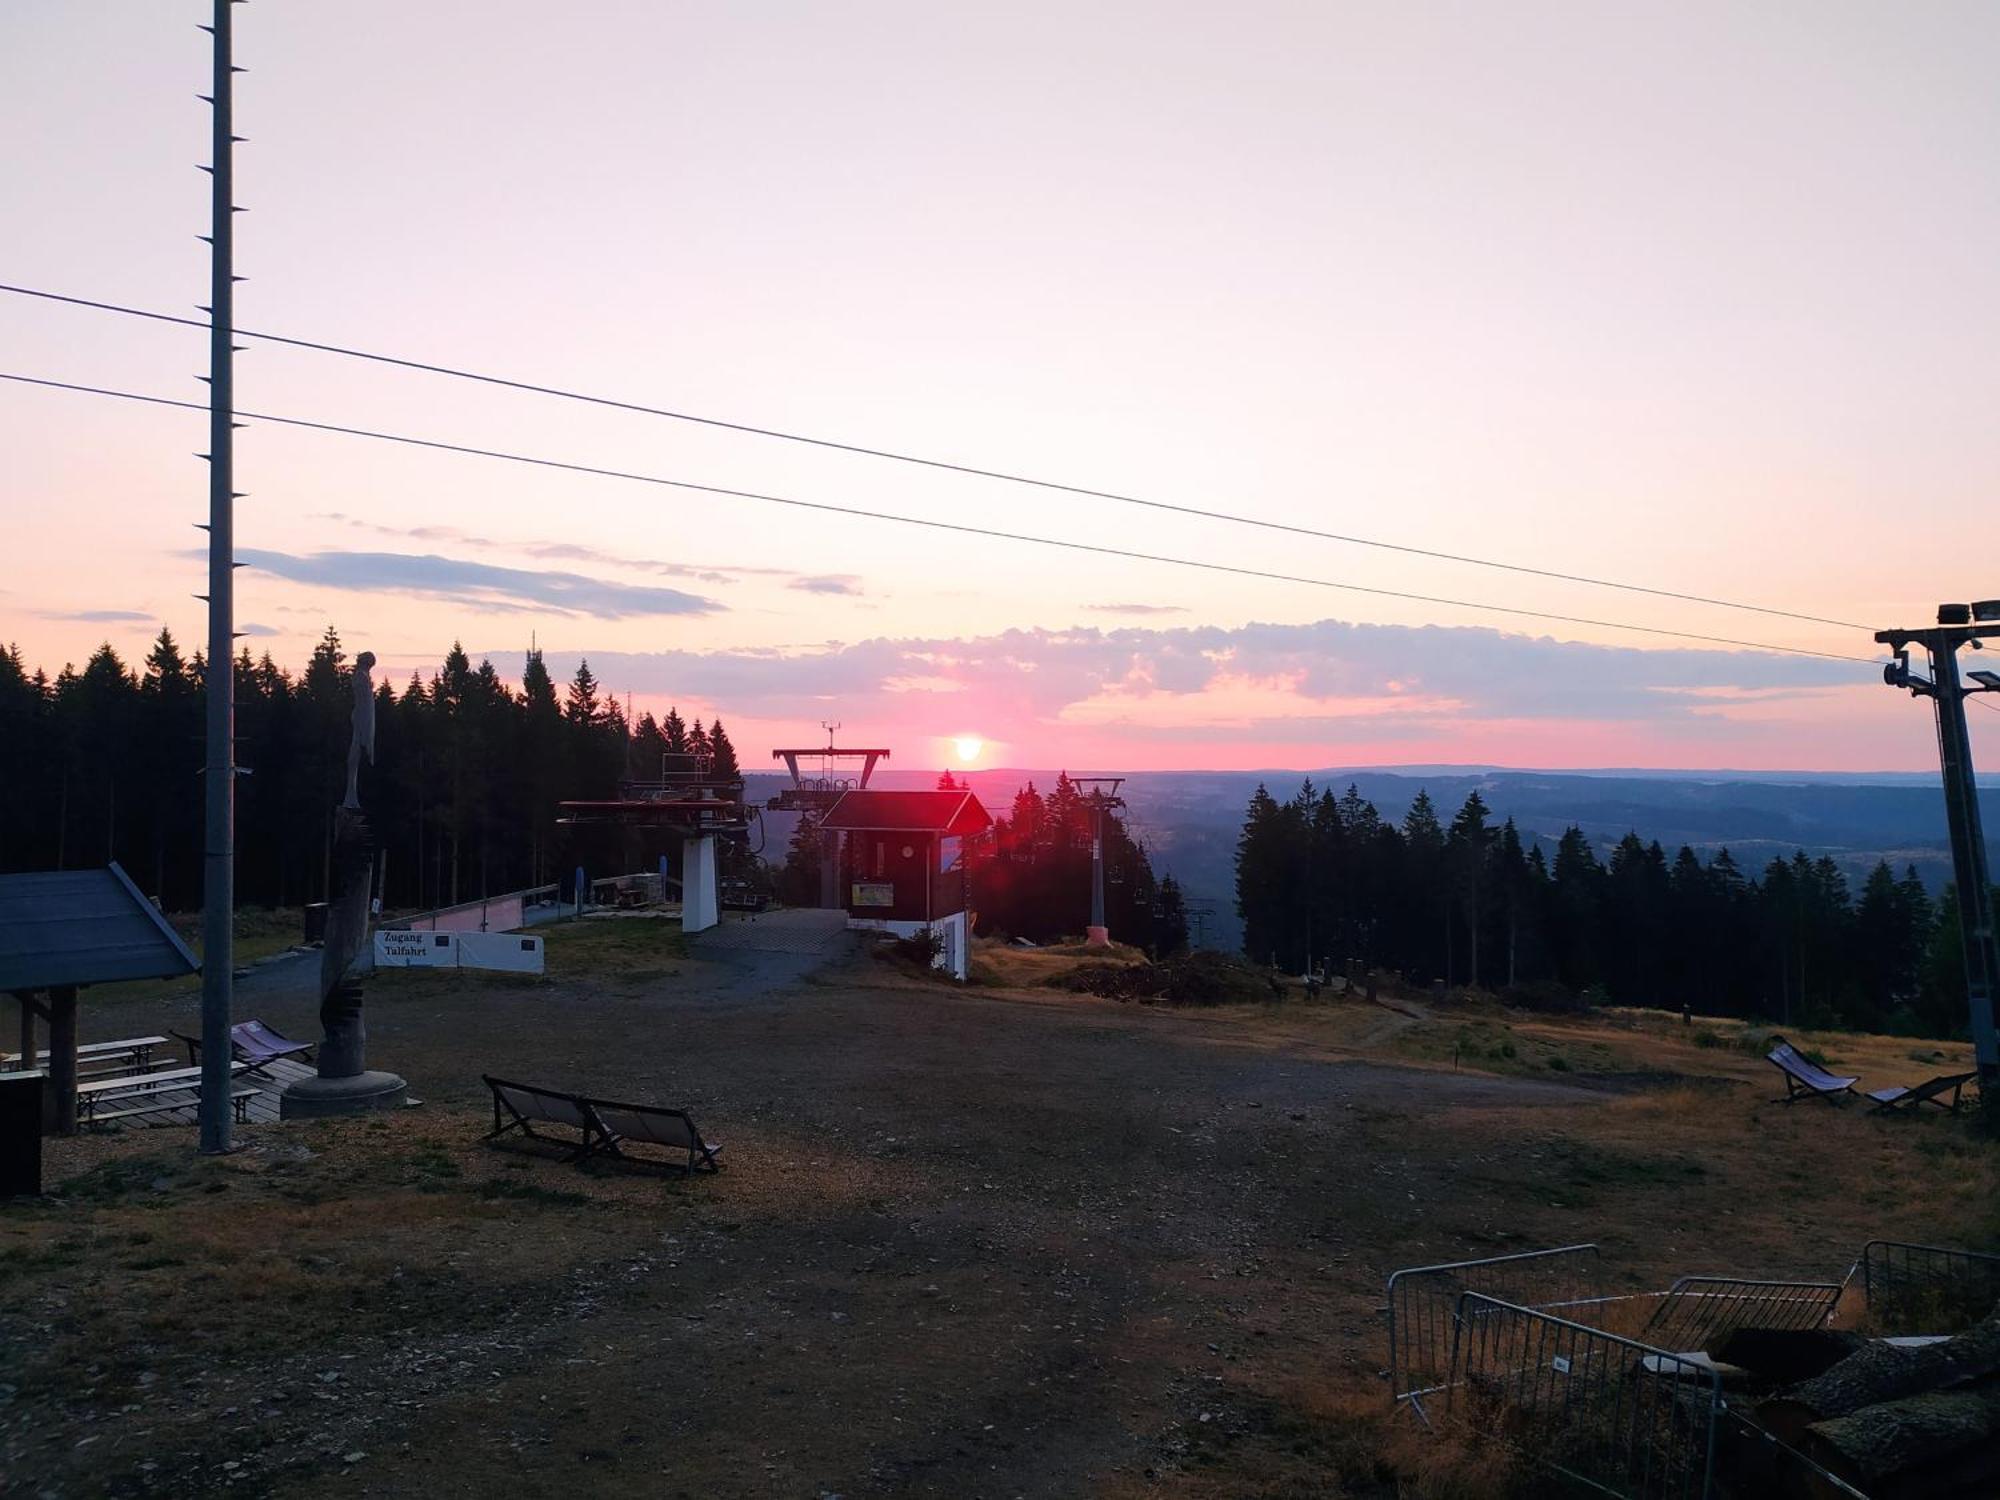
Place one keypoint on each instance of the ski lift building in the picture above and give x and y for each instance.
(903, 866)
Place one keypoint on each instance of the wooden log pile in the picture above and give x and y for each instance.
(1890, 1419)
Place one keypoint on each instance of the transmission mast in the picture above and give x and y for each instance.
(1960, 625)
(218, 884)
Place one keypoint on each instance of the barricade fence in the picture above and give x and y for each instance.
(1911, 1288)
(1698, 1310)
(1423, 1299)
(1610, 1412)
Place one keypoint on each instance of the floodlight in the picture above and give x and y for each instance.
(1988, 680)
(1986, 609)
(1954, 614)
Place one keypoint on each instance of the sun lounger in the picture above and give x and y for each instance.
(1888, 1101)
(1804, 1079)
(651, 1125)
(602, 1126)
(522, 1106)
(253, 1042)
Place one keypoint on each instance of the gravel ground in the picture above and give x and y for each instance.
(967, 1244)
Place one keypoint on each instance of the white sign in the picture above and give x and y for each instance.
(416, 950)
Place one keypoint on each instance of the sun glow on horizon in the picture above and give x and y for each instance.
(968, 747)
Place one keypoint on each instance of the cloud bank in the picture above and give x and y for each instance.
(479, 586)
(1276, 683)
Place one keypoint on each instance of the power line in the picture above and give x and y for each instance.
(930, 523)
(1199, 512)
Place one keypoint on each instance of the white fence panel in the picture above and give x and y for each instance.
(509, 952)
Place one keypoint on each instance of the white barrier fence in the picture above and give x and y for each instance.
(507, 952)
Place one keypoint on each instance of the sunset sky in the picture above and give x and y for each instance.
(1696, 296)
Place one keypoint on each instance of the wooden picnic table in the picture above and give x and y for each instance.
(137, 1085)
(138, 1048)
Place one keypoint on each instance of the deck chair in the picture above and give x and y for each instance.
(649, 1124)
(1803, 1079)
(1910, 1100)
(522, 1106)
(253, 1042)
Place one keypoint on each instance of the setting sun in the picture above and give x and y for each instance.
(968, 747)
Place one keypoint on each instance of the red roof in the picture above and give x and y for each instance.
(955, 812)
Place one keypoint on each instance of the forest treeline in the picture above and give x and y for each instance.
(1322, 879)
(105, 764)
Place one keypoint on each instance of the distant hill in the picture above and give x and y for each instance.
(1190, 819)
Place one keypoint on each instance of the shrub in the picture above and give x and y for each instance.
(1204, 977)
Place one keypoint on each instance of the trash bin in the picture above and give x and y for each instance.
(20, 1134)
(315, 922)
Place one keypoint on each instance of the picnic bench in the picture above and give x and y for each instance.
(135, 1052)
(1805, 1079)
(602, 1127)
(126, 1089)
(1910, 1100)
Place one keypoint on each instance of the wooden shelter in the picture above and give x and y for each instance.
(61, 930)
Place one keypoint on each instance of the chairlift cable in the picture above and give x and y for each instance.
(971, 470)
(959, 527)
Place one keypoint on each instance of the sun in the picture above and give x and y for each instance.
(968, 747)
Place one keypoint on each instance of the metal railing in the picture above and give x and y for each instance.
(1423, 1300)
(1609, 1412)
(1699, 1309)
(1926, 1288)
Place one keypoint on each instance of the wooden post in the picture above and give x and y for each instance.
(27, 1005)
(61, 1093)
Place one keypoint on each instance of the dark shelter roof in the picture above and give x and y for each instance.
(956, 812)
(64, 927)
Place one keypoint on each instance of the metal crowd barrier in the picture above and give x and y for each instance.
(1926, 1288)
(1422, 1301)
(1607, 1411)
(1700, 1309)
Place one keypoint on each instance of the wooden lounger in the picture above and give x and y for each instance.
(254, 1043)
(651, 1125)
(522, 1106)
(602, 1127)
(1804, 1079)
(1888, 1101)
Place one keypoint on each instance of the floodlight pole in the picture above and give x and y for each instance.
(218, 887)
(1973, 886)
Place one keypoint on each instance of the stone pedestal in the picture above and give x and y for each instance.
(356, 1094)
(1097, 937)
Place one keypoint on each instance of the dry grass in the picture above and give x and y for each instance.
(994, 1241)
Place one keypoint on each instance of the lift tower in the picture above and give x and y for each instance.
(1100, 795)
(813, 792)
(1960, 625)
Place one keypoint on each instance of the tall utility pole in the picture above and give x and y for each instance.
(1960, 625)
(218, 884)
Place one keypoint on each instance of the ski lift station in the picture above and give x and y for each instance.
(903, 865)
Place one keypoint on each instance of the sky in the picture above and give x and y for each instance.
(1696, 296)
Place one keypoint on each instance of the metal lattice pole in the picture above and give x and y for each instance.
(1973, 888)
(219, 831)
